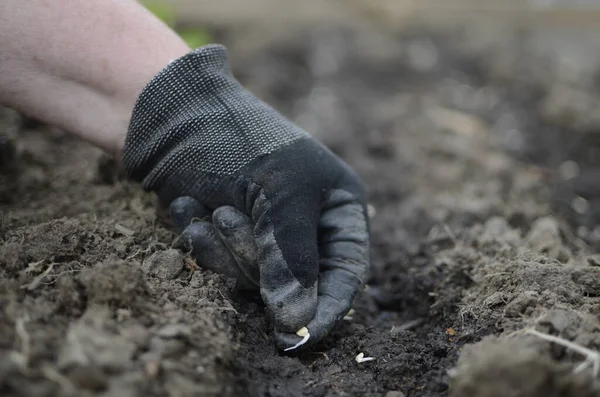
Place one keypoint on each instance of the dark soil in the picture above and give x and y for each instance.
(483, 167)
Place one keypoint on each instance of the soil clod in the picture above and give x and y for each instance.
(481, 163)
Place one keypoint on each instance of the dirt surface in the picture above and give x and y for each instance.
(482, 163)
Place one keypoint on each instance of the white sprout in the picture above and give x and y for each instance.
(360, 358)
(349, 315)
(303, 332)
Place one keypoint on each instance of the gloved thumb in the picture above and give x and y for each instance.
(286, 236)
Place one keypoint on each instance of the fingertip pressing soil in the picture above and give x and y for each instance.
(482, 176)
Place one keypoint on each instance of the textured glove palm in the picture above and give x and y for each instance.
(195, 131)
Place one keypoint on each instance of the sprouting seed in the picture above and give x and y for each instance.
(349, 315)
(303, 332)
(360, 358)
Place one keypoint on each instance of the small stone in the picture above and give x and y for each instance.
(422, 55)
(165, 265)
(593, 260)
(88, 377)
(395, 394)
(545, 237)
(580, 205)
(121, 249)
(544, 234)
(151, 363)
(568, 170)
(167, 347)
(123, 315)
(174, 331)
(521, 303)
(496, 226)
(137, 334)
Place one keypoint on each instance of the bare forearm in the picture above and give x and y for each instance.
(80, 64)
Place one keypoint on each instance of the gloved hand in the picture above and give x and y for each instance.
(196, 132)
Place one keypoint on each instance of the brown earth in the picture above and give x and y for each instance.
(483, 165)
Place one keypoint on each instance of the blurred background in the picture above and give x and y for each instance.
(405, 90)
(475, 126)
(570, 28)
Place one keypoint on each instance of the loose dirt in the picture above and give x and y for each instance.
(482, 165)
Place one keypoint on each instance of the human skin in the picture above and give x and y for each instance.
(81, 64)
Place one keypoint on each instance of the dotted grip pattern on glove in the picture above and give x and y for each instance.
(198, 93)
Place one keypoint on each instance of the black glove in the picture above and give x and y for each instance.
(195, 131)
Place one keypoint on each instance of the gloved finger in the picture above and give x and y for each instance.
(344, 252)
(185, 209)
(286, 237)
(236, 230)
(205, 244)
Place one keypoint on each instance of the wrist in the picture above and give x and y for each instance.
(85, 83)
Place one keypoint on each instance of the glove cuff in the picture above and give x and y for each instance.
(175, 93)
(195, 120)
